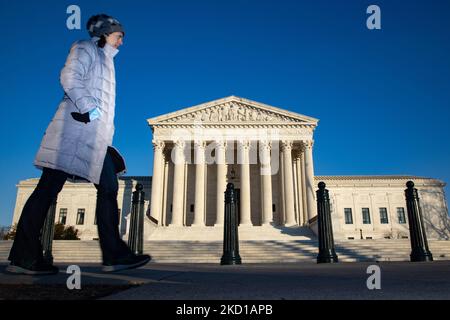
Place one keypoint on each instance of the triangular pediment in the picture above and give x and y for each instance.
(232, 110)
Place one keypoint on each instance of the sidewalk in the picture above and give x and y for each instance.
(399, 280)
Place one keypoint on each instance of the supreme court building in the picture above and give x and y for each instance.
(264, 151)
(267, 153)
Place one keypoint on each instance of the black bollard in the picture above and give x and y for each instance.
(419, 243)
(48, 232)
(327, 253)
(230, 233)
(136, 232)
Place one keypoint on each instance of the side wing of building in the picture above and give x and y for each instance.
(374, 207)
(77, 201)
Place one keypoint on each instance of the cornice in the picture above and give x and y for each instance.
(385, 180)
(234, 125)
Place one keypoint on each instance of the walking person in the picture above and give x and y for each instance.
(78, 144)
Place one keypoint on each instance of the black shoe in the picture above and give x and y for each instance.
(129, 262)
(35, 269)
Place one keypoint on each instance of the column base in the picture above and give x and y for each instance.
(196, 225)
(246, 224)
(291, 224)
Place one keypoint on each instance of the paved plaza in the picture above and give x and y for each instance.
(300, 281)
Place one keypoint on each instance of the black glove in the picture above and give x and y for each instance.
(81, 117)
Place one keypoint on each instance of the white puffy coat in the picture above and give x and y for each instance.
(88, 80)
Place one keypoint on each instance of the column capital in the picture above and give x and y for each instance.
(200, 144)
(199, 148)
(265, 147)
(221, 144)
(158, 145)
(286, 145)
(308, 144)
(244, 144)
(265, 144)
(180, 144)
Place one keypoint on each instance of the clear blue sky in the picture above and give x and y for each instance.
(382, 96)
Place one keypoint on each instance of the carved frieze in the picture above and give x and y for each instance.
(230, 112)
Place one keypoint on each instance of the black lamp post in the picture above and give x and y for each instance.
(418, 237)
(230, 234)
(136, 232)
(327, 253)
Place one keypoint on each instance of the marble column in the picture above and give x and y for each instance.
(299, 192)
(221, 181)
(286, 147)
(199, 206)
(157, 180)
(303, 187)
(266, 177)
(295, 178)
(309, 181)
(165, 190)
(178, 184)
(245, 183)
(185, 193)
(282, 205)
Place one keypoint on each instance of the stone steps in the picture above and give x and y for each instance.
(269, 251)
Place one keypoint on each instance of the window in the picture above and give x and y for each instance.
(383, 216)
(348, 216)
(192, 208)
(273, 207)
(401, 215)
(80, 216)
(62, 215)
(366, 215)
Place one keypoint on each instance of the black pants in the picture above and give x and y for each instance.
(27, 247)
